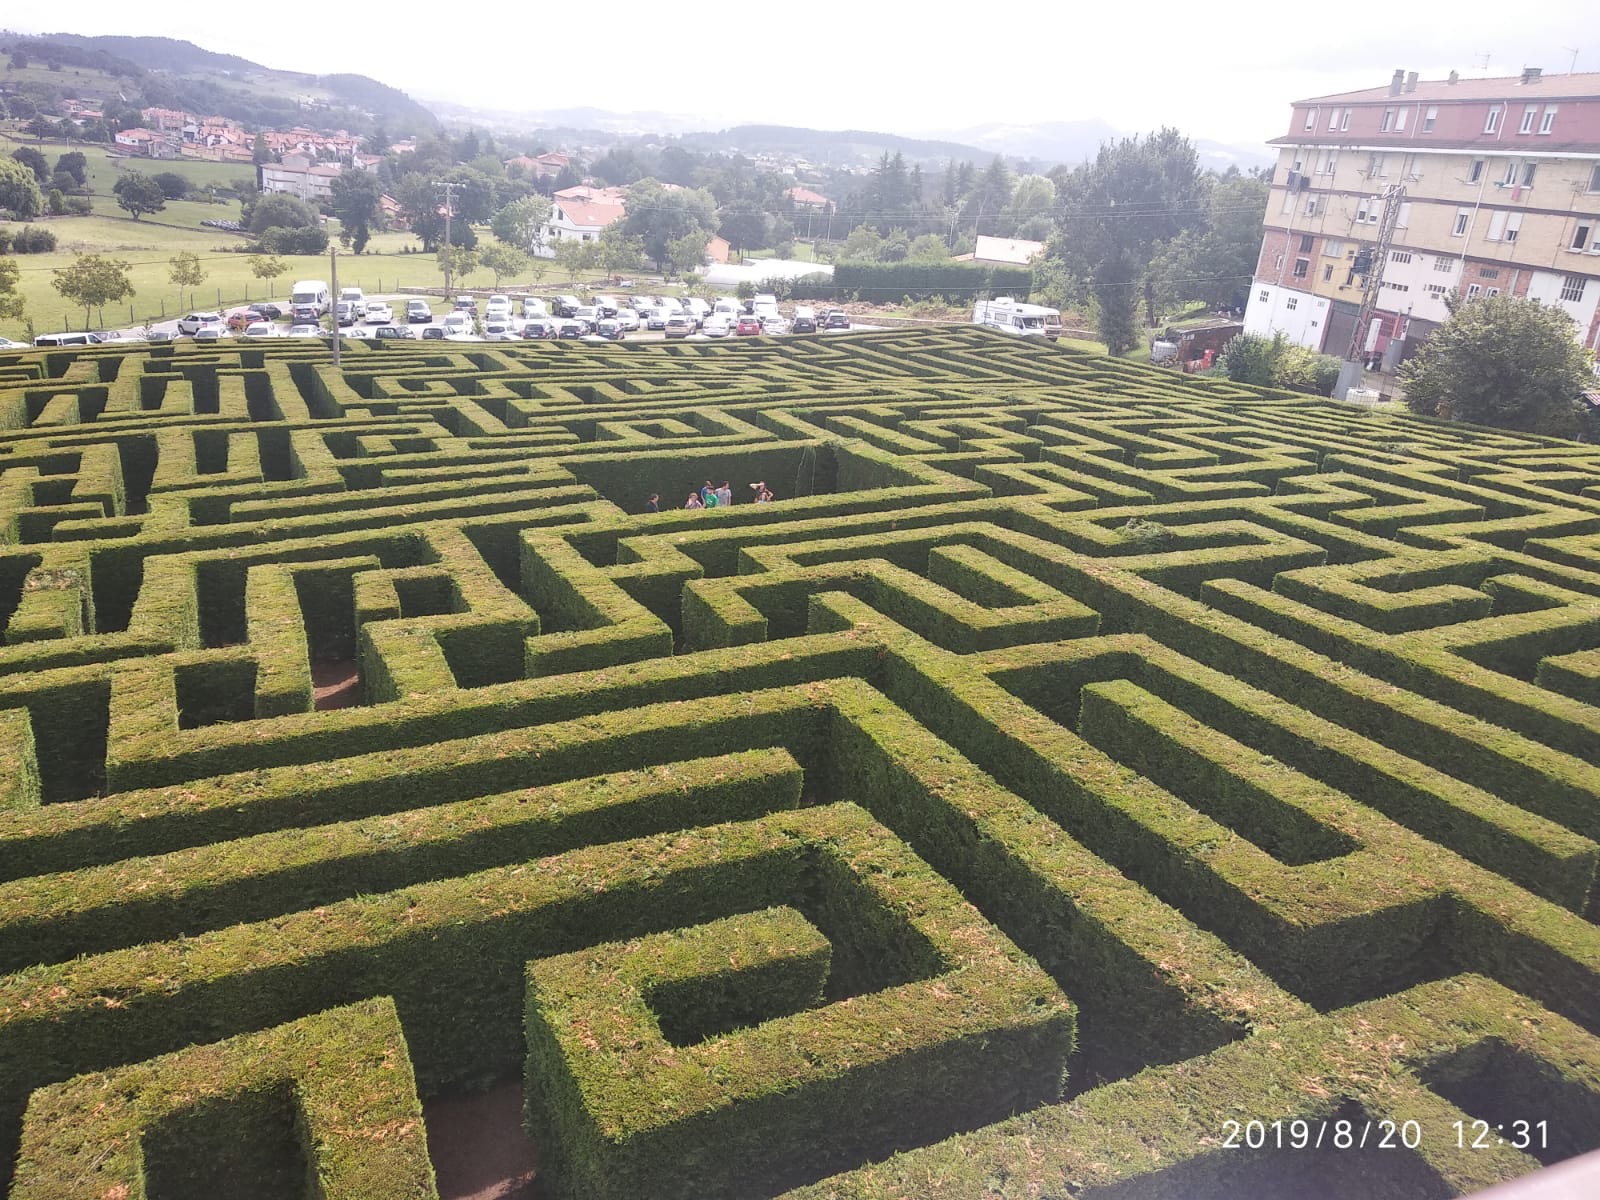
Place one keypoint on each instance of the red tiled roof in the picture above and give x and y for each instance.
(802, 195)
(591, 213)
(1584, 84)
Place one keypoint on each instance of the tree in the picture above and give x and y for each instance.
(34, 161)
(40, 127)
(1504, 361)
(267, 266)
(93, 280)
(686, 253)
(186, 272)
(929, 248)
(73, 163)
(861, 245)
(658, 217)
(456, 263)
(277, 210)
(521, 223)
(139, 194)
(1214, 265)
(11, 303)
(19, 190)
(1116, 282)
(574, 256)
(618, 251)
(173, 186)
(746, 228)
(358, 203)
(1028, 213)
(502, 260)
(259, 151)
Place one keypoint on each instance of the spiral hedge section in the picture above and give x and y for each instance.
(1080, 780)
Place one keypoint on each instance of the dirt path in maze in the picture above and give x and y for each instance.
(478, 1148)
(335, 684)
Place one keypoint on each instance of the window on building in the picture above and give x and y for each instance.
(1400, 120)
(1513, 226)
(1400, 256)
(1476, 173)
(1311, 206)
(1402, 219)
(1594, 179)
(1497, 226)
(1333, 119)
(1376, 166)
(1437, 289)
(1429, 117)
(1529, 112)
(1262, 296)
(1511, 172)
(1488, 272)
(1463, 219)
(1344, 121)
(1277, 263)
(1301, 267)
(1472, 290)
(1491, 123)
(1288, 201)
(1444, 264)
(1311, 118)
(1388, 121)
(1572, 288)
(1327, 273)
(1332, 248)
(1397, 287)
(1492, 292)
(1292, 303)
(1580, 238)
(1548, 122)
(1529, 170)
(1306, 242)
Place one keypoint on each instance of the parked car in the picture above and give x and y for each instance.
(267, 310)
(418, 311)
(499, 331)
(539, 329)
(697, 308)
(773, 324)
(356, 298)
(466, 304)
(304, 314)
(679, 325)
(305, 331)
(748, 326)
(190, 322)
(459, 321)
(162, 335)
(379, 313)
(715, 326)
(607, 305)
(434, 333)
(499, 307)
(656, 318)
(8, 344)
(394, 331)
(805, 320)
(67, 339)
(588, 314)
(241, 317)
(570, 328)
(211, 333)
(566, 306)
(261, 329)
(345, 312)
(532, 306)
(609, 329)
(628, 319)
(120, 335)
(836, 320)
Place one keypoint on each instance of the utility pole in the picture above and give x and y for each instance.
(1350, 371)
(333, 284)
(449, 208)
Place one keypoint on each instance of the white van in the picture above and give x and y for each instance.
(68, 339)
(313, 292)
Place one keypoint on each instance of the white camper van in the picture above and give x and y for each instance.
(313, 292)
(1023, 320)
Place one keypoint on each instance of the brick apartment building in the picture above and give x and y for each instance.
(1502, 194)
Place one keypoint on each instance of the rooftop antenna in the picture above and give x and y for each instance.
(1484, 65)
(1572, 50)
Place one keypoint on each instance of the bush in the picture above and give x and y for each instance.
(278, 240)
(173, 185)
(959, 283)
(32, 240)
(56, 202)
(1277, 362)
(80, 206)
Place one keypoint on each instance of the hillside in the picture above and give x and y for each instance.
(179, 74)
(835, 147)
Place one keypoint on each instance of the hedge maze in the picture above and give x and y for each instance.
(1082, 779)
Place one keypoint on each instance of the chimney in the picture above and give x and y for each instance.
(1397, 83)
(1411, 81)
(1531, 74)
(1455, 76)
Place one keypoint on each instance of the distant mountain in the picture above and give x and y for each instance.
(834, 147)
(177, 74)
(1072, 142)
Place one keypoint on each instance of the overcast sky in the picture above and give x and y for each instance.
(1225, 71)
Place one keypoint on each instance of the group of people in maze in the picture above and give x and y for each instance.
(711, 496)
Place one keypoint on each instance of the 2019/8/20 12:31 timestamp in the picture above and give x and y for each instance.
(1519, 1135)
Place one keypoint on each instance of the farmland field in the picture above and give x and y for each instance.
(1081, 780)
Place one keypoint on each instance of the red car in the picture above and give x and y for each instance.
(748, 326)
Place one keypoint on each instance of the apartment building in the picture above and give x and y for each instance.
(1501, 182)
